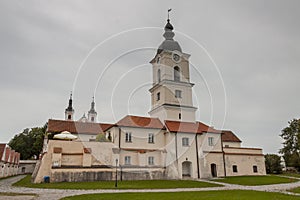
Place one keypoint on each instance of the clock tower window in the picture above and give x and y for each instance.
(176, 74)
(158, 75)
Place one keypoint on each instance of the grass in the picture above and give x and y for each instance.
(256, 180)
(149, 184)
(295, 190)
(207, 195)
(16, 194)
(291, 175)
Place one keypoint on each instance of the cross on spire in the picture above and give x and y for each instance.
(169, 10)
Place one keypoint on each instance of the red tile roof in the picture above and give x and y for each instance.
(57, 126)
(2, 148)
(189, 127)
(229, 136)
(140, 122)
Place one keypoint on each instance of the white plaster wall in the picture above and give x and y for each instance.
(140, 138)
(244, 165)
(232, 144)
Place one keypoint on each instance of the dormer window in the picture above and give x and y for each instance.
(176, 73)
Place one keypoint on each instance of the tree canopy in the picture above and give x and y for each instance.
(29, 143)
(291, 144)
(273, 164)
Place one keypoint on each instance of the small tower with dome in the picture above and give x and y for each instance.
(171, 92)
(92, 114)
(69, 112)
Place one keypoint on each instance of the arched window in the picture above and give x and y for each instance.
(158, 96)
(158, 75)
(176, 73)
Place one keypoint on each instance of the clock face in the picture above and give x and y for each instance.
(176, 57)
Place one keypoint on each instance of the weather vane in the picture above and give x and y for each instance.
(169, 10)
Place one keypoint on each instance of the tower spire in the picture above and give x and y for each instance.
(92, 114)
(69, 112)
(169, 43)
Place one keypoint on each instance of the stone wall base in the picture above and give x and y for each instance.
(106, 176)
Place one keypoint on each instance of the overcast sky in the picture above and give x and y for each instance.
(245, 61)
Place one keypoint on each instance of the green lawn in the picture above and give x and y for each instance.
(149, 184)
(291, 174)
(16, 194)
(296, 190)
(207, 195)
(256, 180)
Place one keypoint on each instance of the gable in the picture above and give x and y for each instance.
(229, 136)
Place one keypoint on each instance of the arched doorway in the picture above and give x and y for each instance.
(213, 168)
(186, 169)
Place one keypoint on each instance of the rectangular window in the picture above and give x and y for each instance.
(127, 160)
(150, 138)
(234, 168)
(128, 137)
(178, 93)
(210, 141)
(254, 168)
(158, 96)
(150, 160)
(185, 142)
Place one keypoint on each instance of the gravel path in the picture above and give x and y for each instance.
(55, 194)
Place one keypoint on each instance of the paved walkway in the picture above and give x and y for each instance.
(55, 194)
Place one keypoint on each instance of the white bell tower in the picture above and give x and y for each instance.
(92, 114)
(171, 92)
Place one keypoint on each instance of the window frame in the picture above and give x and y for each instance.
(176, 73)
(151, 138)
(185, 142)
(158, 75)
(178, 93)
(158, 96)
(234, 169)
(255, 169)
(211, 141)
(128, 137)
(151, 160)
(127, 160)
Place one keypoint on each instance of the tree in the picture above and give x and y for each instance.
(29, 143)
(273, 164)
(291, 144)
(101, 138)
